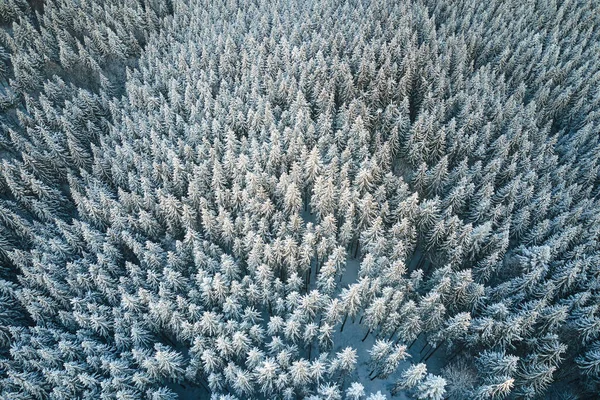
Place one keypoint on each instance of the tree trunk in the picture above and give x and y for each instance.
(344, 323)
(426, 357)
(414, 341)
(393, 333)
(456, 353)
(308, 278)
(168, 339)
(365, 338)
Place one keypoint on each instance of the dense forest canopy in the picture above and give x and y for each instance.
(316, 200)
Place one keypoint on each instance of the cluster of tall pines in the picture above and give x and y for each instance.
(299, 199)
